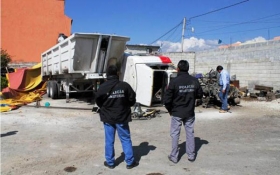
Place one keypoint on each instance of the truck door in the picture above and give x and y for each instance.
(144, 84)
(159, 86)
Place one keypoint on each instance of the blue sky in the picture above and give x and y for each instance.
(144, 21)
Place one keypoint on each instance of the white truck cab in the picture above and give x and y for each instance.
(149, 76)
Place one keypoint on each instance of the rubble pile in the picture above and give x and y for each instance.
(261, 93)
(211, 88)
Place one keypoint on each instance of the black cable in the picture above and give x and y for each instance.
(217, 10)
(240, 31)
(232, 22)
(166, 33)
(179, 37)
(172, 33)
(199, 16)
(246, 22)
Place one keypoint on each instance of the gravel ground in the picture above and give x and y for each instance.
(58, 141)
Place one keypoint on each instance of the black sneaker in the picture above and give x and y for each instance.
(109, 166)
(169, 158)
(134, 164)
(192, 160)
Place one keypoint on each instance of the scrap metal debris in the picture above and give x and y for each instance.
(211, 88)
(260, 93)
(148, 113)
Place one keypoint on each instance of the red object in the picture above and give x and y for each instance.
(16, 79)
(165, 59)
(9, 93)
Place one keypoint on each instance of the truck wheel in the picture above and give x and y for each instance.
(53, 90)
(59, 93)
(48, 88)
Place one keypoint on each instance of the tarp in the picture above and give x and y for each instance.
(25, 79)
(25, 86)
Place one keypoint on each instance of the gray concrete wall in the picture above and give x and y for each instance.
(253, 64)
(177, 56)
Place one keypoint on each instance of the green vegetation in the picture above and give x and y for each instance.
(4, 83)
(5, 58)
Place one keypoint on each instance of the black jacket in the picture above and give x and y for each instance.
(115, 107)
(180, 96)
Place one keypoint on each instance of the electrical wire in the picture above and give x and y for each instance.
(210, 21)
(177, 38)
(172, 34)
(218, 9)
(166, 33)
(199, 16)
(240, 31)
(241, 23)
(257, 20)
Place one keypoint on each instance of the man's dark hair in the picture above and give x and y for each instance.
(112, 70)
(183, 66)
(219, 68)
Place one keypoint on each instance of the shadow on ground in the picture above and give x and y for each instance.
(9, 133)
(142, 149)
(198, 144)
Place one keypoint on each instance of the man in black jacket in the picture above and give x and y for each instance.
(114, 98)
(179, 100)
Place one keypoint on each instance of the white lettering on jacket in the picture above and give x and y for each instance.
(187, 88)
(117, 94)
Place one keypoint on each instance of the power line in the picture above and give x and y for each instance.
(217, 10)
(199, 16)
(231, 22)
(167, 32)
(245, 22)
(240, 31)
(172, 34)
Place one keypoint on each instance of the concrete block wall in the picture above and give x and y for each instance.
(253, 64)
(177, 56)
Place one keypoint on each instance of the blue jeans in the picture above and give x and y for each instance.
(124, 136)
(224, 98)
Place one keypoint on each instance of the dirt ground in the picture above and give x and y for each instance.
(59, 141)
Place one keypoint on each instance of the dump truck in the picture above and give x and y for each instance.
(78, 64)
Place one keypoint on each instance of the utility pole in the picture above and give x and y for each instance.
(183, 33)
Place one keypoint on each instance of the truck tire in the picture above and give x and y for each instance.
(59, 93)
(53, 90)
(48, 88)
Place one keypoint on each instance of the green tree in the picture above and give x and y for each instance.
(5, 58)
(4, 83)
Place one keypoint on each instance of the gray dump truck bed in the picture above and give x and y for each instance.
(78, 62)
(83, 53)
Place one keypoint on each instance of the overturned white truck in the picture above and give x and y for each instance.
(78, 64)
(149, 76)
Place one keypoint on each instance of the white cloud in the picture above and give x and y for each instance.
(190, 44)
(255, 40)
(195, 44)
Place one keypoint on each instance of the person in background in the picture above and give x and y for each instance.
(224, 83)
(179, 100)
(61, 37)
(115, 98)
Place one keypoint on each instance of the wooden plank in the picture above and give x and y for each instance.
(264, 88)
